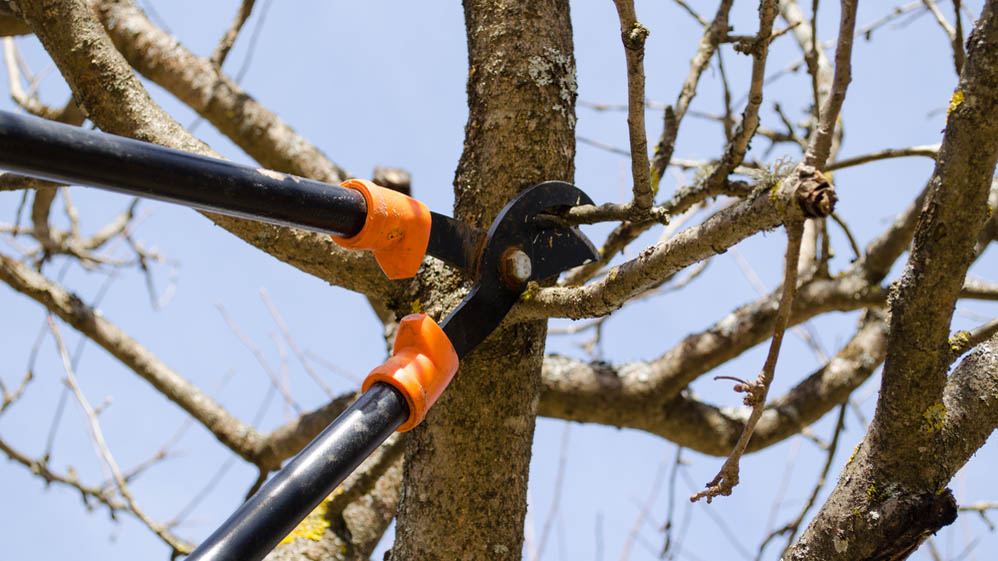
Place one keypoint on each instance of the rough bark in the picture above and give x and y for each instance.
(204, 88)
(10, 23)
(466, 465)
(892, 494)
(113, 98)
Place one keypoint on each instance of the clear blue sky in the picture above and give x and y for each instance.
(382, 83)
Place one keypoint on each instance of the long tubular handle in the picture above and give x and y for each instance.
(57, 152)
(290, 495)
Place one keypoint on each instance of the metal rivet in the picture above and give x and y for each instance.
(515, 267)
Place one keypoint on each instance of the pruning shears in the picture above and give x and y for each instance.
(528, 241)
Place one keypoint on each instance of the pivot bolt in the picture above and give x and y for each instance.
(515, 268)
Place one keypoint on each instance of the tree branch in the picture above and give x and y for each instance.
(117, 102)
(615, 396)
(203, 87)
(235, 435)
(225, 44)
(633, 35)
(928, 150)
(97, 434)
(820, 146)
(921, 412)
(803, 191)
(757, 390)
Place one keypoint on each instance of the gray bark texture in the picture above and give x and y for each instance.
(456, 485)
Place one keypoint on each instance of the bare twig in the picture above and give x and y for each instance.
(633, 35)
(8, 397)
(668, 526)
(559, 481)
(639, 520)
(821, 142)
(956, 41)
(758, 48)
(959, 54)
(867, 30)
(711, 38)
(793, 527)
(845, 229)
(69, 113)
(87, 492)
(291, 343)
(274, 378)
(757, 390)
(927, 150)
(682, 4)
(229, 39)
(234, 434)
(98, 436)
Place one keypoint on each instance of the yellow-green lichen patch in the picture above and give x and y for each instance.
(312, 528)
(655, 178)
(854, 452)
(415, 306)
(959, 341)
(933, 417)
(874, 493)
(954, 102)
(532, 289)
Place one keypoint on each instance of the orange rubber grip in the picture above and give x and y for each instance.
(423, 363)
(396, 230)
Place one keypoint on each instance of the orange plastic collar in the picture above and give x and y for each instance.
(397, 229)
(423, 363)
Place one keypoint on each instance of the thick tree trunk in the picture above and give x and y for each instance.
(466, 466)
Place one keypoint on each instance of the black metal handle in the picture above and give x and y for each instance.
(290, 495)
(48, 150)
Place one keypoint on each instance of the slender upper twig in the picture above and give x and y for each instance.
(225, 44)
(821, 142)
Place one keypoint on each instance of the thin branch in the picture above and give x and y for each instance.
(926, 150)
(98, 436)
(956, 42)
(9, 397)
(711, 38)
(225, 44)
(757, 390)
(41, 469)
(959, 54)
(559, 482)
(294, 346)
(821, 142)
(793, 527)
(867, 30)
(852, 240)
(646, 505)
(633, 35)
(274, 378)
(802, 188)
(69, 113)
(14, 182)
(735, 150)
(237, 436)
(682, 4)
(979, 290)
